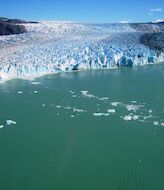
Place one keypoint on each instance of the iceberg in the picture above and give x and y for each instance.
(51, 47)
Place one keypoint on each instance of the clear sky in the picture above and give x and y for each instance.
(84, 10)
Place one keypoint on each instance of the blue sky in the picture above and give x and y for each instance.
(84, 10)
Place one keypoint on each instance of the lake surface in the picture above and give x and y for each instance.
(92, 130)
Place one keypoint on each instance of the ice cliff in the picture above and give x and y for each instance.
(50, 47)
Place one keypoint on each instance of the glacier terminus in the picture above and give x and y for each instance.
(51, 47)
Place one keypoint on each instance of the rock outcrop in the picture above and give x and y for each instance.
(12, 26)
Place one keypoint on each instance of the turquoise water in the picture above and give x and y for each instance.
(98, 130)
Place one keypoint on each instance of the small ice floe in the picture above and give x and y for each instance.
(35, 92)
(78, 110)
(10, 122)
(134, 101)
(111, 111)
(64, 107)
(150, 111)
(1, 126)
(100, 114)
(72, 92)
(162, 124)
(104, 98)
(67, 107)
(147, 117)
(115, 104)
(156, 123)
(58, 106)
(43, 105)
(74, 96)
(133, 107)
(20, 92)
(35, 83)
(72, 116)
(86, 94)
(130, 117)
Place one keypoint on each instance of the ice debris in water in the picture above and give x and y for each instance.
(115, 104)
(20, 92)
(86, 94)
(100, 114)
(156, 123)
(1, 126)
(130, 117)
(35, 83)
(111, 110)
(133, 107)
(10, 122)
(78, 110)
(104, 98)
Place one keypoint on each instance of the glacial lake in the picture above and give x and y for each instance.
(88, 130)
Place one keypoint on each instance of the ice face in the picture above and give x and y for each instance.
(60, 47)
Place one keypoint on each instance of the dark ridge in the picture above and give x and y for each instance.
(15, 21)
(12, 26)
(8, 29)
(154, 41)
(153, 34)
(148, 27)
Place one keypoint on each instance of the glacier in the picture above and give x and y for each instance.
(51, 47)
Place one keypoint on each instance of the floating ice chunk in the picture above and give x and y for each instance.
(19, 92)
(67, 107)
(72, 116)
(134, 101)
(43, 105)
(150, 111)
(74, 96)
(162, 124)
(104, 98)
(10, 122)
(78, 110)
(156, 123)
(133, 107)
(127, 118)
(35, 83)
(35, 92)
(1, 126)
(130, 117)
(111, 110)
(72, 92)
(58, 106)
(86, 94)
(147, 117)
(100, 114)
(116, 104)
(135, 117)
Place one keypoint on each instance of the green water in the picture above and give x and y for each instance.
(66, 139)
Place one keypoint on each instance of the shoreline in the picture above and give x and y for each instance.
(34, 77)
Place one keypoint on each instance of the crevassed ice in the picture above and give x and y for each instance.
(51, 47)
